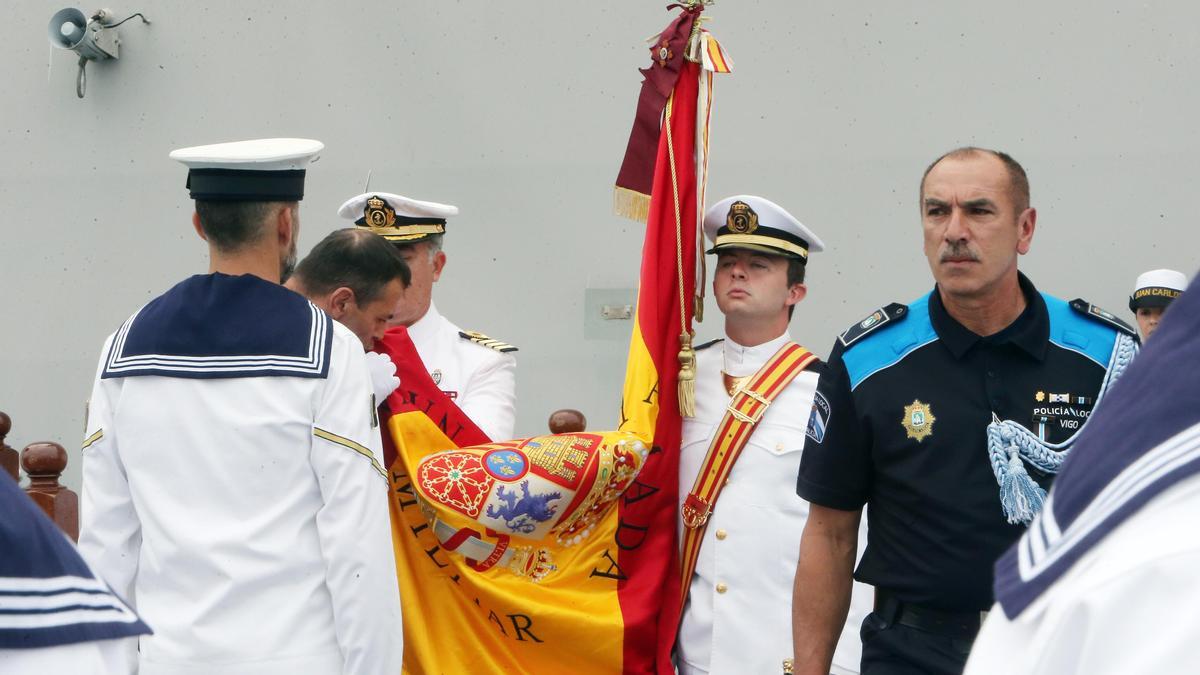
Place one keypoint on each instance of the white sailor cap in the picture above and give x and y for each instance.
(263, 170)
(397, 218)
(757, 224)
(1157, 288)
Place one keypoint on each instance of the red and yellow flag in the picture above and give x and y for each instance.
(559, 553)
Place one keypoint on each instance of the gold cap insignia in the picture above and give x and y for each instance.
(741, 219)
(918, 420)
(378, 213)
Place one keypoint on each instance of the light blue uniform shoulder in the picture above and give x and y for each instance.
(885, 337)
(1083, 328)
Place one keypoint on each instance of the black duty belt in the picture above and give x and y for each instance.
(939, 621)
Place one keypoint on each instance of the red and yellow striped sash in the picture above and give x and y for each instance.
(746, 408)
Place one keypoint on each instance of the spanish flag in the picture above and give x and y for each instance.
(558, 553)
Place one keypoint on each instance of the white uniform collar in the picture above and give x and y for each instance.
(742, 361)
(426, 327)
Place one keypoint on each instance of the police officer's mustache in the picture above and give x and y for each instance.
(958, 252)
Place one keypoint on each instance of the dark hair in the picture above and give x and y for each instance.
(232, 225)
(795, 271)
(1019, 188)
(795, 275)
(359, 260)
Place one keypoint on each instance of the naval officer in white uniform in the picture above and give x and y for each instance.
(738, 615)
(232, 487)
(478, 373)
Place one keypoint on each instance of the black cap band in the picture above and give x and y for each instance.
(781, 241)
(245, 185)
(1153, 296)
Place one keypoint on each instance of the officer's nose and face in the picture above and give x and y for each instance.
(426, 265)
(367, 320)
(974, 229)
(749, 284)
(371, 319)
(1147, 320)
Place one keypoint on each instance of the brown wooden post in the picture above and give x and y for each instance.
(8, 456)
(567, 421)
(45, 462)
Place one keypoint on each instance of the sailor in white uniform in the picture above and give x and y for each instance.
(1105, 582)
(232, 487)
(56, 615)
(738, 615)
(475, 371)
(1152, 292)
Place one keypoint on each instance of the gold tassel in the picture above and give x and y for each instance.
(687, 376)
(631, 204)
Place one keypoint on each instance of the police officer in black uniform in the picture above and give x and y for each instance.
(947, 417)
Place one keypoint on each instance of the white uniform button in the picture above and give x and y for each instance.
(721, 588)
(779, 446)
(721, 534)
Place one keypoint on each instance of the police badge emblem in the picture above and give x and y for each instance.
(871, 320)
(741, 218)
(379, 213)
(918, 420)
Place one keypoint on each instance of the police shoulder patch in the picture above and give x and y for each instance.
(818, 419)
(708, 344)
(1103, 316)
(873, 322)
(481, 339)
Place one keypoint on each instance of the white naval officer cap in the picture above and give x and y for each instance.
(758, 224)
(263, 170)
(1157, 288)
(397, 218)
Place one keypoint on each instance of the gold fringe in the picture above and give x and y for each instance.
(631, 204)
(686, 387)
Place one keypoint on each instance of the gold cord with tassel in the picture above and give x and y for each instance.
(687, 376)
(685, 387)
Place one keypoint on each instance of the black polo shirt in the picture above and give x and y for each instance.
(899, 424)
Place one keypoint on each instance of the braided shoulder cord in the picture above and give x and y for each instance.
(1010, 443)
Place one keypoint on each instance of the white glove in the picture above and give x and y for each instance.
(383, 375)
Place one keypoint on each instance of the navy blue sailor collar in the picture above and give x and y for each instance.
(1030, 331)
(1144, 438)
(222, 326)
(48, 594)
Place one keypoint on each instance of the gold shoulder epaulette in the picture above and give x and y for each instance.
(481, 339)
